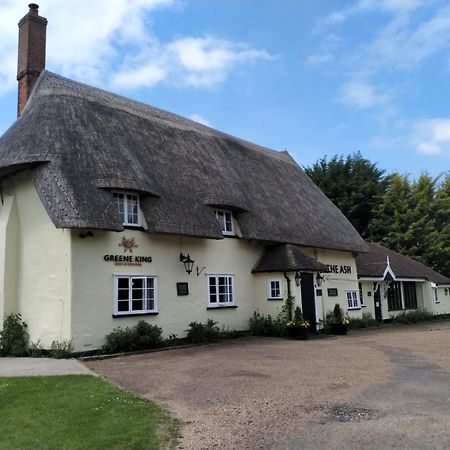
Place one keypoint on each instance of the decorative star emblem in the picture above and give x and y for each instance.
(128, 244)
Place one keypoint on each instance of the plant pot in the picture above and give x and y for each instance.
(338, 328)
(299, 333)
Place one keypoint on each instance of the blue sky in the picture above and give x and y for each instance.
(315, 77)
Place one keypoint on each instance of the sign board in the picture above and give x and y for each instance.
(182, 289)
(127, 258)
(332, 292)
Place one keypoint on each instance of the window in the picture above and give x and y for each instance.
(361, 296)
(352, 300)
(436, 296)
(127, 207)
(410, 295)
(220, 290)
(225, 219)
(274, 289)
(394, 296)
(135, 295)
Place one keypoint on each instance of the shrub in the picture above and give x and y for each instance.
(418, 315)
(61, 349)
(362, 322)
(142, 336)
(36, 350)
(261, 325)
(14, 336)
(199, 332)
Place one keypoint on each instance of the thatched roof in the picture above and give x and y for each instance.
(286, 258)
(83, 141)
(374, 263)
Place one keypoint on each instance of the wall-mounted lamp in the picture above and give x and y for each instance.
(319, 279)
(298, 278)
(188, 262)
(87, 234)
(446, 291)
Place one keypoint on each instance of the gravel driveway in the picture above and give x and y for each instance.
(387, 388)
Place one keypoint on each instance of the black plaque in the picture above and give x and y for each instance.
(318, 292)
(369, 294)
(182, 289)
(332, 292)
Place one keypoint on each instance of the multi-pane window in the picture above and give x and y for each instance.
(394, 296)
(225, 219)
(220, 290)
(361, 296)
(436, 296)
(274, 289)
(410, 294)
(127, 207)
(352, 299)
(135, 294)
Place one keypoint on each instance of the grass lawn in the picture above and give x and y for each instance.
(79, 411)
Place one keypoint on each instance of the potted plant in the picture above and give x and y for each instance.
(337, 322)
(298, 327)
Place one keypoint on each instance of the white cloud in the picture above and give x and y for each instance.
(318, 59)
(200, 119)
(361, 95)
(432, 136)
(112, 44)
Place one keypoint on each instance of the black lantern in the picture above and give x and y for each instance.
(319, 279)
(298, 278)
(188, 262)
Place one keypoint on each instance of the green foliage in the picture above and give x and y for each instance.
(298, 316)
(142, 336)
(261, 325)
(14, 336)
(365, 321)
(353, 184)
(36, 349)
(418, 315)
(61, 349)
(80, 412)
(199, 332)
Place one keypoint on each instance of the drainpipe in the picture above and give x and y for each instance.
(289, 299)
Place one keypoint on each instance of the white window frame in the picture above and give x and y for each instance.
(354, 294)
(130, 277)
(270, 289)
(361, 295)
(125, 207)
(225, 213)
(218, 304)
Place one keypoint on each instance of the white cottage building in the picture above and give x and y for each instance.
(391, 283)
(113, 211)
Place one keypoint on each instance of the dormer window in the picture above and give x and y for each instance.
(128, 208)
(225, 219)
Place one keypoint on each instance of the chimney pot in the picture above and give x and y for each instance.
(33, 8)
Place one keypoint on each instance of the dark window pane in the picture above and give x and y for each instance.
(122, 306)
(137, 305)
(122, 283)
(137, 293)
(123, 294)
(394, 297)
(137, 283)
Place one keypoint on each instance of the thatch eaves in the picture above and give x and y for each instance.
(82, 141)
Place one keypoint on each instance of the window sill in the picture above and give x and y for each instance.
(363, 306)
(133, 227)
(275, 299)
(354, 309)
(155, 313)
(222, 307)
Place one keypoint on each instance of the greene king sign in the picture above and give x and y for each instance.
(127, 259)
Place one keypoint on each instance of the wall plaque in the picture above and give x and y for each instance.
(332, 292)
(182, 289)
(318, 292)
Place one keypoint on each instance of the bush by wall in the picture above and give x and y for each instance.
(199, 332)
(261, 325)
(365, 321)
(418, 315)
(14, 336)
(142, 336)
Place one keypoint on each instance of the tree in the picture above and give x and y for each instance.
(353, 184)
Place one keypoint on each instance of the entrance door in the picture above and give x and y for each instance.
(377, 305)
(308, 300)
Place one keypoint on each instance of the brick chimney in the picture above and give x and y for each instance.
(31, 60)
